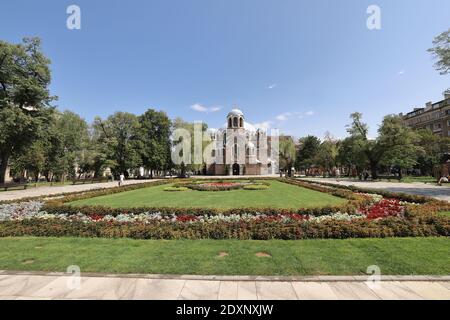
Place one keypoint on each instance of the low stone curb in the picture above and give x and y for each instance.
(358, 278)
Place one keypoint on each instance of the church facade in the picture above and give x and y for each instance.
(239, 148)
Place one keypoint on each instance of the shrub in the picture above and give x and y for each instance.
(428, 225)
(175, 189)
(256, 187)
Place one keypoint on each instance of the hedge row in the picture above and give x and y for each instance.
(58, 208)
(424, 226)
(384, 193)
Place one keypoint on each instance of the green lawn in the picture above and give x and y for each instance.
(279, 195)
(402, 256)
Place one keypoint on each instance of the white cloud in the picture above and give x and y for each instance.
(215, 108)
(201, 108)
(284, 116)
(198, 107)
(401, 72)
(309, 113)
(272, 86)
(263, 125)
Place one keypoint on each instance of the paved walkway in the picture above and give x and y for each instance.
(416, 188)
(60, 286)
(47, 191)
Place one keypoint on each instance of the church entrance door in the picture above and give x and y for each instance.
(235, 169)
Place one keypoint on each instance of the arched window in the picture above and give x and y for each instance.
(241, 122)
(229, 123)
(235, 122)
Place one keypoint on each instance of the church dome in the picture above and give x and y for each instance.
(236, 112)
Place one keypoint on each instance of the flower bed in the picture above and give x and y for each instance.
(215, 186)
(367, 214)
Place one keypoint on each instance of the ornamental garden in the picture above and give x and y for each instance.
(257, 209)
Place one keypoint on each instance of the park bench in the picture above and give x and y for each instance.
(14, 185)
(85, 181)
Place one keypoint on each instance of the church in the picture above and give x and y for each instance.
(239, 148)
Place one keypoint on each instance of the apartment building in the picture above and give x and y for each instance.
(434, 116)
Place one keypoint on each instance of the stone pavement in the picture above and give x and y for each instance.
(22, 285)
(47, 191)
(416, 188)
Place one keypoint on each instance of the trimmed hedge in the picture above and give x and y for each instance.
(175, 189)
(59, 208)
(386, 194)
(424, 226)
(256, 187)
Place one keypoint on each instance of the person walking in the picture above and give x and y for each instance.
(121, 179)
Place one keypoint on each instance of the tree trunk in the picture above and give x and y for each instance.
(151, 173)
(3, 166)
(373, 171)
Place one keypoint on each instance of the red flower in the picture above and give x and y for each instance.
(96, 217)
(384, 208)
(186, 218)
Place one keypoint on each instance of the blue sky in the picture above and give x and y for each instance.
(301, 66)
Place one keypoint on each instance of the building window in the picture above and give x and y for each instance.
(235, 122)
(229, 123)
(241, 122)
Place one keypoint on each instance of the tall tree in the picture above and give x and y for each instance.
(327, 154)
(119, 135)
(179, 123)
(154, 138)
(371, 148)
(351, 155)
(24, 97)
(441, 52)
(400, 144)
(74, 139)
(307, 152)
(287, 154)
(435, 148)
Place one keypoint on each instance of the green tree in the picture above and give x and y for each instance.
(74, 136)
(441, 52)
(179, 123)
(119, 136)
(307, 152)
(371, 148)
(327, 154)
(351, 155)
(434, 150)
(31, 160)
(400, 144)
(154, 138)
(287, 154)
(24, 97)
